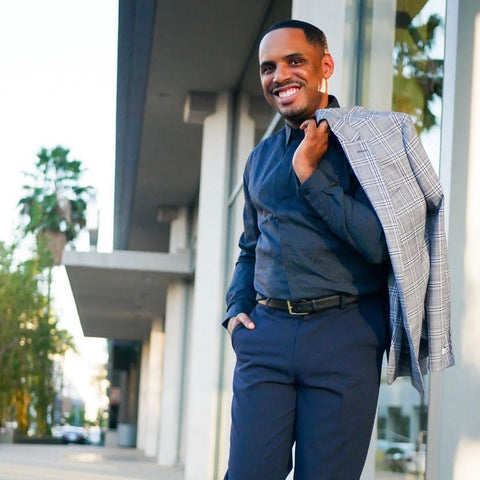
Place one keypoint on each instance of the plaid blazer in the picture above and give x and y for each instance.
(391, 165)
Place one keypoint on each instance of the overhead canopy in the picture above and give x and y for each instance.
(118, 294)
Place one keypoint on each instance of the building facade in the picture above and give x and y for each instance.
(189, 110)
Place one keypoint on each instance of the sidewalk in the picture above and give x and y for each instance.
(83, 462)
(79, 462)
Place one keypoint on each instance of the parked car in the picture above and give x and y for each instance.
(394, 458)
(70, 434)
(404, 458)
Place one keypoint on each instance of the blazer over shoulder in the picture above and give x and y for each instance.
(390, 163)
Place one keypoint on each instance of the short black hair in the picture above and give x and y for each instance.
(312, 33)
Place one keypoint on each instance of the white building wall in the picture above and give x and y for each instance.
(454, 444)
(154, 387)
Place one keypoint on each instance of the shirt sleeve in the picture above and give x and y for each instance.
(351, 216)
(241, 295)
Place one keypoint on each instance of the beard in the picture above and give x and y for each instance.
(295, 114)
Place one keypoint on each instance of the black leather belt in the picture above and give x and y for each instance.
(304, 307)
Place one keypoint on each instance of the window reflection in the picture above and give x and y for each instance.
(417, 61)
(417, 72)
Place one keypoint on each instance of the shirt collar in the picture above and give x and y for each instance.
(332, 103)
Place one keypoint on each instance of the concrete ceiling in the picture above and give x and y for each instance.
(164, 53)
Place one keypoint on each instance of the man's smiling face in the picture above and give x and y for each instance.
(291, 72)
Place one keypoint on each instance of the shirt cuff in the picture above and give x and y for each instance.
(233, 311)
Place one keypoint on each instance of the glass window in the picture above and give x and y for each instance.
(417, 55)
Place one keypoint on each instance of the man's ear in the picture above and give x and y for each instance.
(327, 65)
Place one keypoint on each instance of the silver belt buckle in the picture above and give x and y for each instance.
(291, 312)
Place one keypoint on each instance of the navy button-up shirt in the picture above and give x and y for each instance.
(304, 241)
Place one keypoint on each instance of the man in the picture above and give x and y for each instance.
(308, 304)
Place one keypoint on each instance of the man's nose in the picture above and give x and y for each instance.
(282, 73)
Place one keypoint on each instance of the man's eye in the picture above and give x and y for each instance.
(267, 69)
(295, 61)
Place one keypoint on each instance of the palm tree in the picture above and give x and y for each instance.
(54, 210)
(55, 202)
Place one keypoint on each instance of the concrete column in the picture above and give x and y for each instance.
(173, 375)
(124, 398)
(338, 20)
(179, 229)
(252, 112)
(127, 418)
(454, 422)
(376, 66)
(248, 111)
(208, 302)
(184, 418)
(174, 368)
(143, 417)
(155, 361)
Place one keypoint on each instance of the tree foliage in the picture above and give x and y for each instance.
(54, 198)
(29, 340)
(418, 78)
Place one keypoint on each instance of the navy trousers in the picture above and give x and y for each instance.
(310, 380)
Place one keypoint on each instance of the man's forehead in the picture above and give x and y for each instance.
(286, 34)
(284, 41)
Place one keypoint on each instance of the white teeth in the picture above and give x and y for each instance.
(287, 93)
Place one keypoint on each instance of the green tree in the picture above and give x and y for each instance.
(54, 210)
(29, 340)
(418, 78)
(20, 304)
